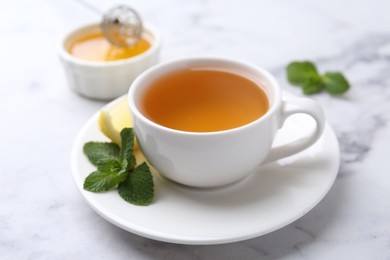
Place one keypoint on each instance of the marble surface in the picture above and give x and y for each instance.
(43, 216)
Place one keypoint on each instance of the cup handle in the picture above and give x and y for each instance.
(294, 106)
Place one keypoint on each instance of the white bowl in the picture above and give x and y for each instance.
(107, 79)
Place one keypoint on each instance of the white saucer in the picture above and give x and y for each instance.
(270, 198)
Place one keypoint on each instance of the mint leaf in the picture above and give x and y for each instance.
(300, 72)
(102, 181)
(335, 83)
(97, 151)
(126, 152)
(115, 167)
(312, 86)
(138, 188)
(110, 165)
(108, 175)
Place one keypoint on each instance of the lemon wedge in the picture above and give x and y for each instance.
(113, 118)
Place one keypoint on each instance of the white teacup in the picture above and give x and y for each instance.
(211, 159)
(111, 79)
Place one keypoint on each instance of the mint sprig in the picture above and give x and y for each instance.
(116, 167)
(305, 74)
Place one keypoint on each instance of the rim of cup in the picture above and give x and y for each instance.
(70, 37)
(274, 98)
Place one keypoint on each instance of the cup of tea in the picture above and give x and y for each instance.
(208, 122)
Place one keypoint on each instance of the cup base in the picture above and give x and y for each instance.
(201, 188)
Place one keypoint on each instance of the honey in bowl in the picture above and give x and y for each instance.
(203, 100)
(95, 47)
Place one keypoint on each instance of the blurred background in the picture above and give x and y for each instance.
(42, 215)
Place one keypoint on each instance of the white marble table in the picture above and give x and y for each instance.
(43, 216)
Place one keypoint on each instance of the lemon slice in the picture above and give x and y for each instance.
(113, 118)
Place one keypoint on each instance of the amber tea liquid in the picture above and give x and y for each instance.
(203, 100)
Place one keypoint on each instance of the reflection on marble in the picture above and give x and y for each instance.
(42, 215)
